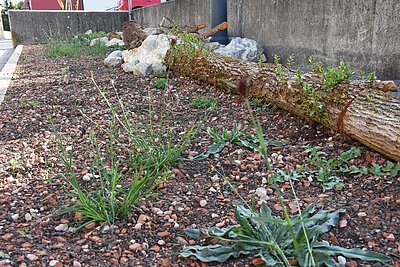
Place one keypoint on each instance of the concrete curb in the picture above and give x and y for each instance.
(8, 72)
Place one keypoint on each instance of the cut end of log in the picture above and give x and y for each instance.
(386, 86)
(223, 26)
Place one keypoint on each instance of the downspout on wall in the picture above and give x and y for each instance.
(219, 14)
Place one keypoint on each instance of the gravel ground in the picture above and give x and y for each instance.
(47, 93)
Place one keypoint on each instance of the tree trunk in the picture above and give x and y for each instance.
(358, 109)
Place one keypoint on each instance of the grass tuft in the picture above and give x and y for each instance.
(79, 46)
(203, 102)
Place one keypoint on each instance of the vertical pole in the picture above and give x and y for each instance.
(219, 14)
(1, 28)
(130, 9)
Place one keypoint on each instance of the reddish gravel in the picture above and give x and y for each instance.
(46, 92)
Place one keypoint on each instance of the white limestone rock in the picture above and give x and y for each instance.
(101, 40)
(152, 31)
(129, 66)
(116, 53)
(114, 59)
(243, 49)
(113, 62)
(150, 54)
(129, 55)
(114, 42)
(143, 69)
(159, 67)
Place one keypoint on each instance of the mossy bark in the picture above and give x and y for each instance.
(360, 110)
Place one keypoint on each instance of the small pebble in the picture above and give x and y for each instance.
(61, 227)
(5, 262)
(32, 257)
(212, 189)
(87, 177)
(136, 247)
(342, 261)
(203, 203)
(343, 223)
(181, 241)
(163, 234)
(138, 226)
(261, 192)
(215, 178)
(53, 263)
(28, 217)
(220, 225)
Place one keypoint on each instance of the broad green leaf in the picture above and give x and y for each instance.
(202, 156)
(216, 253)
(323, 221)
(241, 215)
(226, 136)
(216, 148)
(246, 143)
(389, 166)
(265, 210)
(267, 257)
(271, 142)
(213, 132)
(265, 235)
(215, 231)
(353, 253)
(355, 169)
(269, 220)
(194, 233)
(213, 149)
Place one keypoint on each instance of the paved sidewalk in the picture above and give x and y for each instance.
(8, 60)
(6, 50)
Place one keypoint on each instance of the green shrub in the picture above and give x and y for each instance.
(161, 83)
(371, 76)
(202, 102)
(333, 76)
(161, 74)
(316, 108)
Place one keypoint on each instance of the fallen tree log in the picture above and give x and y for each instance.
(171, 25)
(360, 110)
(220, 27)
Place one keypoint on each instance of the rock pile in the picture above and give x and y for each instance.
(241, 48)
(148, 58)
(112, 39)
(114, 59)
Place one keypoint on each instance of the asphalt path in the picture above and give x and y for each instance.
(6, 50)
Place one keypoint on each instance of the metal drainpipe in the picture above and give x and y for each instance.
(130, 6)
(219, 10)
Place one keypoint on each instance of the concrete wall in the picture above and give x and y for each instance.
(32, 27)
(184, 12)
(364, 32)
